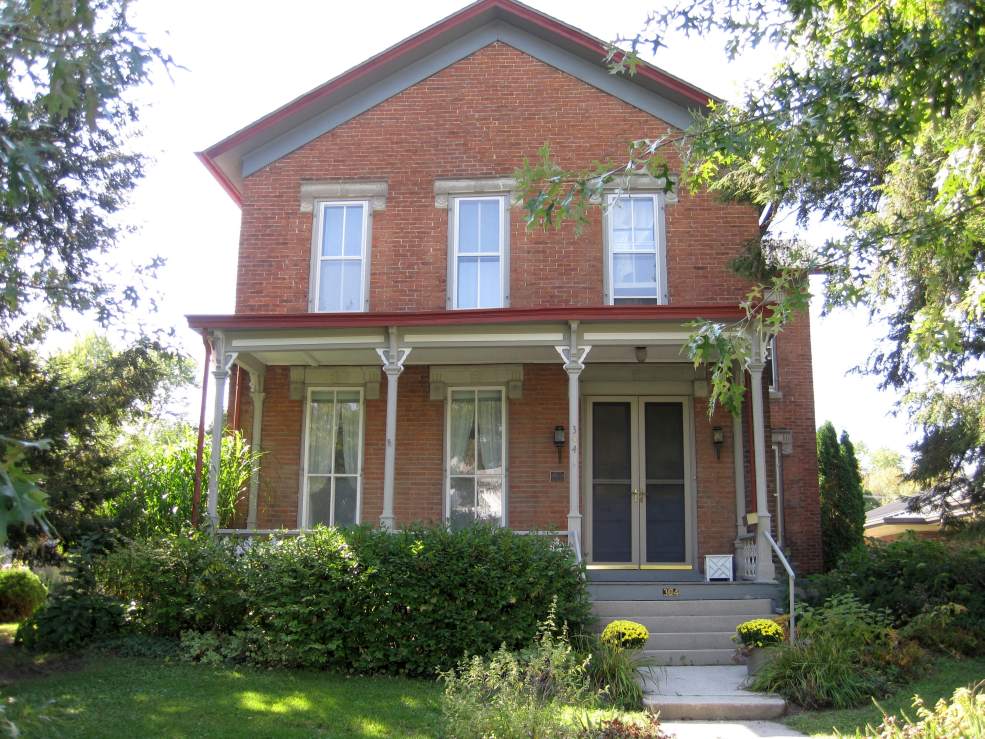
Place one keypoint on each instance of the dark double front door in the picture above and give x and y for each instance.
(638, 481)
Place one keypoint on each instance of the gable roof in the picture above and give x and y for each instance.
(419, 56)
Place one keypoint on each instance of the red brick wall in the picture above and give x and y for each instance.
(476, 118)
(479, 117)
(795, 411)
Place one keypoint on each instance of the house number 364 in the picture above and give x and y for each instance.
(671, 592)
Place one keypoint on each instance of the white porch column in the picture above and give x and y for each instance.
(764, 552)
(739, 467)
(223, 361)
(256, 398)
(574, 362)
(393, 360)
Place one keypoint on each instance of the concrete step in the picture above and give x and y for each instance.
(649, 591)
(684, 624)
(707, 693)
(635, 609)
(705, 640)
(691, 657)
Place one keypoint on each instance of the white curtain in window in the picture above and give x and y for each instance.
(348, 436)
(462, 424)
(490, 414)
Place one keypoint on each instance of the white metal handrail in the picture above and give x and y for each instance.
(791, 577)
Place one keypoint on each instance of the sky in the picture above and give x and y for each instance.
(240, 60)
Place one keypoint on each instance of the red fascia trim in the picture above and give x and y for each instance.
(692, 93)
(466, 317)
(226, 183)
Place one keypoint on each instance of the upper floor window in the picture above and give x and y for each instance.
(341, 257)
(478, 269)
(636, 266)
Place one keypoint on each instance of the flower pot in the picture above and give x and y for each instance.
(756, 658)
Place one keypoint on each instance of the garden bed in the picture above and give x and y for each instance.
(948, 674)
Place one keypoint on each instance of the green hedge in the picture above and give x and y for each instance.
(413, 602)
(910, 577)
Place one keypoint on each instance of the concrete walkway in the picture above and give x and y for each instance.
(728, 729)
(711, 693)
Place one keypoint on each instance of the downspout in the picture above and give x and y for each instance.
(200, 447)
(235, 399)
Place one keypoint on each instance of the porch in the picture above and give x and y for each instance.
(588, 424)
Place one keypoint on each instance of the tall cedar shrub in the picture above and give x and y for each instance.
(842, 497)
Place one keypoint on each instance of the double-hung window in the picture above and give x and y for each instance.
(476, 482)
(333, 457)
(636, 267)
(478, 267)
(341, 257)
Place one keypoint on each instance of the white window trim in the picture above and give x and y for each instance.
(660, 235)
(304, 523)
(774, 377)
(504, 518)
(504, 248)
(317, 258)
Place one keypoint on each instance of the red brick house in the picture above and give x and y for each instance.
(403, 349)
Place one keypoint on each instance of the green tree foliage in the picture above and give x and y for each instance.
(883, 475)
(842, 500)
(67, 72)
(873, 121)
(79, 400)
(156, 474)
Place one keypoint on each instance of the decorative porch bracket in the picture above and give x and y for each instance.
(765, 571)
(574, 362)
(223, 361)
(393, 359)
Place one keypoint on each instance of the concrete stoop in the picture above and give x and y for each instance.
(707, 693)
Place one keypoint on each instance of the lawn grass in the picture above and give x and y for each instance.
(127, 697)
(948, 675)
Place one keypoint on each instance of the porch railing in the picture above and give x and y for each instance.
(745, 557)
(571, 538)
(747, 569)
(791, 579)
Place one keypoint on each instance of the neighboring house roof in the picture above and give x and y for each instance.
(898, 514)
(340, 99)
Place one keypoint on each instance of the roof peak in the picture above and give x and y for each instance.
(442, 43)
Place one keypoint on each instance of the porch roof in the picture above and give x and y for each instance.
(247, 321)
(461, 337)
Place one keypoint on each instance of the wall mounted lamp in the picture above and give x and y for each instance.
(640, 352)
(559, 441)
(718, 439)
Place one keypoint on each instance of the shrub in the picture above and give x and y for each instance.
(21, 593)
(625, 635)
(299, 592)
(759, 632)
(614, 673)
(846, 653)
(429, 596)
(190, 581)
(938, 628)
(909, 576)
(962, 716)
(517, 694)
(75, 614)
